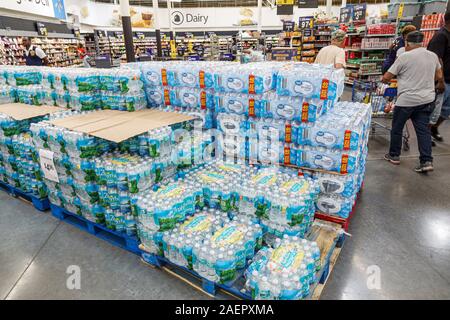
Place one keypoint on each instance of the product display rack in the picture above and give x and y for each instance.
(11, 51)
(430, 24)
(61, 52)
(308, 53)
(207, 47)
(366, 52)
(322, 33)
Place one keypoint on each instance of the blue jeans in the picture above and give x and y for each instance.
(420, 117)
(442, 103)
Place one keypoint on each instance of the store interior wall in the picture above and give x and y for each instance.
(94, 14)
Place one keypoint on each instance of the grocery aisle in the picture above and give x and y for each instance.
(402, 224)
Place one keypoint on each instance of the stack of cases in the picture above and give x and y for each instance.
(212, 219)
(83, 90)
(342, 136)
(186, 87)
(101, 180)
(23, 84)
(263, 127)
(19, 164)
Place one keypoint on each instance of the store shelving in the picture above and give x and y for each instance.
(430, 24)
(11, 51)
(322, 33)
(366, 51)
(61, 52)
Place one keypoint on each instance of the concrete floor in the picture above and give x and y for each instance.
(401, 226)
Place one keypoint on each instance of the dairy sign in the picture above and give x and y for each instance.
(190, 18)
(48, 8)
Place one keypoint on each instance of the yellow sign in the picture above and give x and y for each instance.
(173, 49)
(285, 2)
(400, 10)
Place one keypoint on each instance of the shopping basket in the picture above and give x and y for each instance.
(382, 98)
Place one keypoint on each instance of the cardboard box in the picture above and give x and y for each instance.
(118, 126)
(21, 111)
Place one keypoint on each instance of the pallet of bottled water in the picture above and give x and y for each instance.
(75, 88)
(220, 253)
(101, 180)
(19, 160)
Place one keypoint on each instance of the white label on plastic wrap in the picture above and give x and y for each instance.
(48, 165)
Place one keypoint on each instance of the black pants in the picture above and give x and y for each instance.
(420, 116)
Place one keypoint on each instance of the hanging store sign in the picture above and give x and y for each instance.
(359, 12)
(47, 8)
(140, 35)
(345, 14)
(306, 22)
(308, 3)
(285, 2)
(307, 33)
(400, 10)
(41, 29)
(180, 18)
(101, 33)
(288, 26)
(76, 32)
(284, 10)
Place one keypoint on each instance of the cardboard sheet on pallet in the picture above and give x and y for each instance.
(118, 126)
(21, 111)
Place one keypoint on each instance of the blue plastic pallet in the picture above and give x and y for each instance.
(188, 275)
(39, 204)
(119, 239)
(236, 287)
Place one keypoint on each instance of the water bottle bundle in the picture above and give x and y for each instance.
(310, 81)
(101, 180)
(338, 192)
(19, 165)
(192, 98)
(20, 75)
(252, 78)
(295, 108)
(276, 199)
(223, 253)
(178, 244)
(162, 209)
(283, 202)
(332, 143)
(77, 89)
(345, 127)
(195, 150)
(7, 94)
(285, 271)
(197, 74)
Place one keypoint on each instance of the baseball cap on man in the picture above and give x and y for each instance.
(415, 37)
(338, 35)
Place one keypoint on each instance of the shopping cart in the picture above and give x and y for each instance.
(382, 99)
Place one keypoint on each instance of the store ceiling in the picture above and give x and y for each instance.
(224, 3)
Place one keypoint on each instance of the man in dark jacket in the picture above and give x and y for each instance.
(440, 44)
(397, 44)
